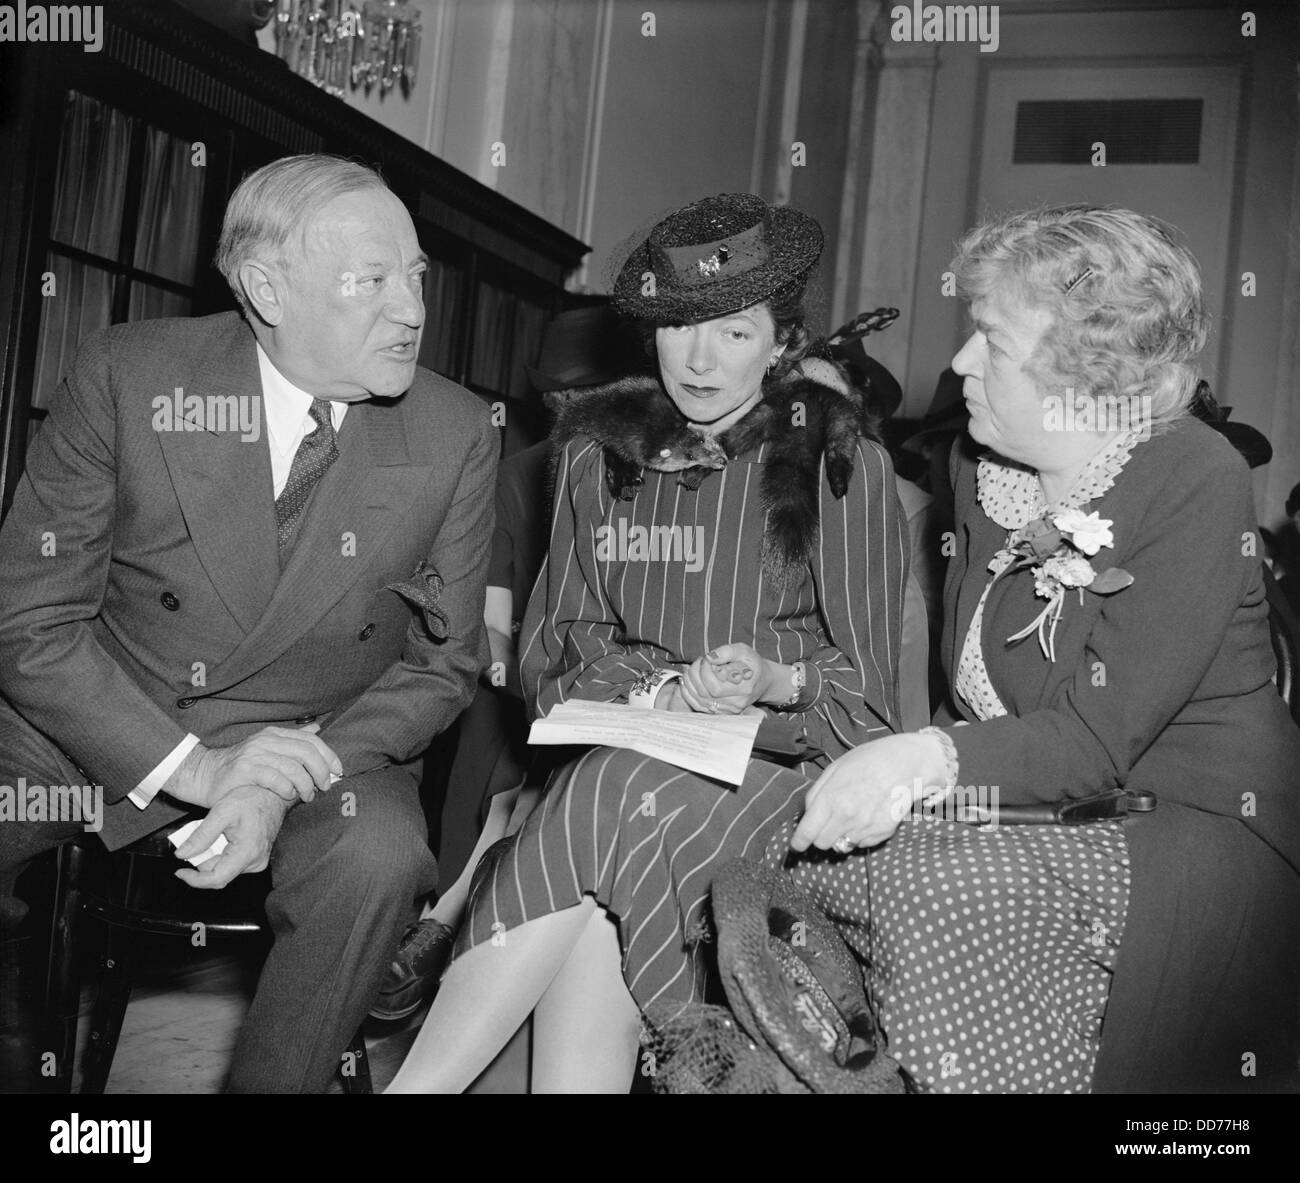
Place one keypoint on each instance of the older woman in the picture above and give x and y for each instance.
(1105, 630)
(780, 589)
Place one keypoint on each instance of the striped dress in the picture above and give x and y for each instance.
(641, 836)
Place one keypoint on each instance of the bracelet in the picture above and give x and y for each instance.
(800, 678)
(951, 765)
(645, 690)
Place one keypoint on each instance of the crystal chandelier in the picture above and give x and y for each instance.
(332, 43)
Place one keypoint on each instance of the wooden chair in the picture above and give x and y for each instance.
(128, 907)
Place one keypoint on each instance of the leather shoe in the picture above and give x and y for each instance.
(413, 974)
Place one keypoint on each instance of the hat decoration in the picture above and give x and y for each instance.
(716, 256)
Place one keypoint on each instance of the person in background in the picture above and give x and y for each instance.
(919, 674)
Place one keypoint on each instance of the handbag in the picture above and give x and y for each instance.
(798, 1019)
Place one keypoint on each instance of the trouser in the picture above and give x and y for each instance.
(345, 870)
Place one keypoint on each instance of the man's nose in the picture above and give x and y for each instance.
(964, 361)
(407, 303)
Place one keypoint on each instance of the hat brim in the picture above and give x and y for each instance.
(545, 383)
(796, 246)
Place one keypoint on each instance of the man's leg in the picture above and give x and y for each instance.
(25, 756)
(346, 870)
(28, 759)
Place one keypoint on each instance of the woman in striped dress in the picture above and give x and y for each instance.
(725, 538)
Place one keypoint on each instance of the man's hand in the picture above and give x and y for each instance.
(250, 817)
(291, 762)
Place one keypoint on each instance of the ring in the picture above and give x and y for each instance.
(713, 705)
(844, 845)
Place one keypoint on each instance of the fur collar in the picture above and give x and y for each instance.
(803, 421)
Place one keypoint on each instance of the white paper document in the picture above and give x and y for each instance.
(716, 746)
(179, 837)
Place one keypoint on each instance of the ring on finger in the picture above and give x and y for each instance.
(844, 845)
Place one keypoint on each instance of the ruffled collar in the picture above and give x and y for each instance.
(1012, 496)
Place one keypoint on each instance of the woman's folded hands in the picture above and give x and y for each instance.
(731, 678)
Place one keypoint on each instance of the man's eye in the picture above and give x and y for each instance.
(738, 335)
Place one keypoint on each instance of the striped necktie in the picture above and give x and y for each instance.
(315, 454)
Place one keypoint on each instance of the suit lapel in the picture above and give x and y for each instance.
(222, 480)
(358, 502)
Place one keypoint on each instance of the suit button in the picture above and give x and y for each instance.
(303, 720)
(366, 633)
(169, 601)
(184, 704)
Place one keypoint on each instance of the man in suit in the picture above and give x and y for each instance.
(244, 572)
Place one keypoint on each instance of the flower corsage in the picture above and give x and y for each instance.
(1058, 547)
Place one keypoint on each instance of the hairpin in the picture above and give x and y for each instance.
(1077, 280)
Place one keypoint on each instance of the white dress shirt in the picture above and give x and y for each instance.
(284, 410)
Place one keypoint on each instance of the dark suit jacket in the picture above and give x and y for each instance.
(1164, 687)
(163, 609)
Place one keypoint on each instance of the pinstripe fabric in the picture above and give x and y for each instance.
(595, 623)
(639, 835)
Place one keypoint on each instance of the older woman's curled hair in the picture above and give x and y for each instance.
(1124, 295)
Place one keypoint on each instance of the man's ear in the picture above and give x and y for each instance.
(263, 288)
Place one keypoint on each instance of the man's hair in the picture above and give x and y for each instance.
(276, 201)
(1123, 293)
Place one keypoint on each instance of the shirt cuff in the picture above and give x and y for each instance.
(147, 789)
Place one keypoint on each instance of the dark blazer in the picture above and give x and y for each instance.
(163, 609)
(1164, 686)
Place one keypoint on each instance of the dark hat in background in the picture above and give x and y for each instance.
(1249, 441)
(585, 346)
(716, 256)
(884, 395)
(948, 414)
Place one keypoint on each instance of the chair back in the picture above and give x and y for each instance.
(1285, 633)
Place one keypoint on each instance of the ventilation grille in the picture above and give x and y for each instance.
(1135, 131)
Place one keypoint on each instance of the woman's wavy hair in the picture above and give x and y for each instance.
(1123, 293)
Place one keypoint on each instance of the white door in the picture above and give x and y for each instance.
(1194, 197)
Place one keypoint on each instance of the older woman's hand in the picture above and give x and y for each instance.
(726, 680)
(860, 799)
